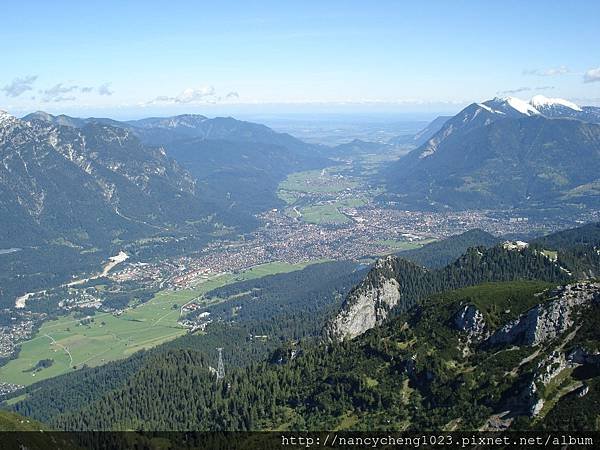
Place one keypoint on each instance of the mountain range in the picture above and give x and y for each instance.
(90, 184)
(505, 153)
(95, 179)
(74, 190)
(237, 165)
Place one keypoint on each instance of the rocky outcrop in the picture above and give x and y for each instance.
(547, 369)
(397, 283)
(368, 305)
(582, 391)
(547, 320)
(470, 320)
(542, 324)
(515, 245)
(550, 367)
(535, 402)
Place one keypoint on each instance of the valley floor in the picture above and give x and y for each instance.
(73, 341)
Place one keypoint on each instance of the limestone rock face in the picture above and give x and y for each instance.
(368, 305)
(547, 320)
(536, 403)
(582, 391)
(550, 367)
(547, 370)
(540, 326)
(470, 320)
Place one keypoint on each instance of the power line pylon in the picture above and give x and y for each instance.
(220, 366)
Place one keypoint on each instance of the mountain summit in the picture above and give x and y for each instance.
(505, 153)
(510, 106)
(541, 102)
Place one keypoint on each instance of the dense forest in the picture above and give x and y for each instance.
(441, 253)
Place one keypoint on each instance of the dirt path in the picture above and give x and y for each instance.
(61, 346)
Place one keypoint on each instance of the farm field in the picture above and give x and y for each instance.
(317, 181)
(318, 196)
(323, 214)
(330, 213)
(70, 342)
(405, 245)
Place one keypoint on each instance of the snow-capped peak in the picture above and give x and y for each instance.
(510, 105)
(521, 105)
(540, 101)
(5, 117)
(487, 108)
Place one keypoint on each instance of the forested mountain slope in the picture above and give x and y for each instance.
(88, 185)
(236, 165)
(454, 362)
(441, 253)
(300, 385)
(245, 175)
(394, 285)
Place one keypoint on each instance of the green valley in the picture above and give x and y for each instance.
(76, 340)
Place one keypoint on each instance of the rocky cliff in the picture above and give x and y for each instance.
(369, 304)
(549, 327)
(547, 320)
(397, 284)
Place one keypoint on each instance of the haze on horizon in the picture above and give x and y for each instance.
(135, 59)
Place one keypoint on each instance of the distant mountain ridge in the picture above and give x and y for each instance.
(504, 153)
(426, 133)
(87, 184)
(421, 136)
(441, 253)
(245, 175)
(237, 164)
(166, 130)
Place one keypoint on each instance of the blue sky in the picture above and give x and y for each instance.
(133, 59)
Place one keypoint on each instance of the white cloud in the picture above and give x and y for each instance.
(524, 89)
(592, 75)
(205, 94)
(104, 89)
(19, 85)
(513, 91)
(57, 93)
(551, 72)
